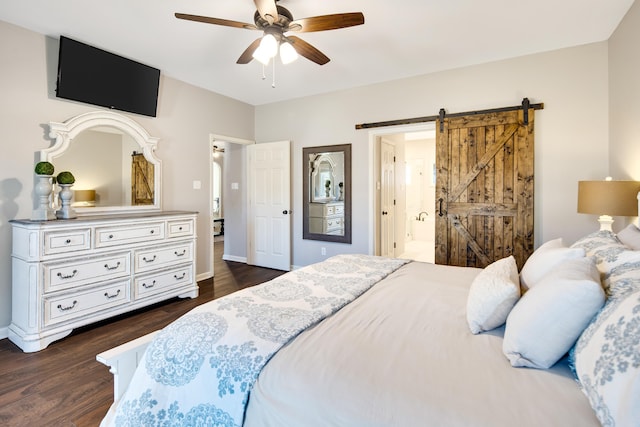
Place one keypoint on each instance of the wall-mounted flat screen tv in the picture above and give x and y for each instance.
(94, 76)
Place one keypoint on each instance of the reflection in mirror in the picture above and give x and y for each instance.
(327, 193)
(112, 159)
(110, 177)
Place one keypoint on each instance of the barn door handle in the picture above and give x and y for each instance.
(440, 200)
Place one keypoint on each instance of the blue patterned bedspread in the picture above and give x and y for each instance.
(200, 369)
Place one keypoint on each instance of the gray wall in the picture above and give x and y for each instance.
(187, 115)
(571, 132)
(624, 93)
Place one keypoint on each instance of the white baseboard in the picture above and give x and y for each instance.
(234, 258)
(204, 276)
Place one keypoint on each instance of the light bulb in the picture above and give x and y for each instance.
(260, 55)
(269, 45)
(288, 53)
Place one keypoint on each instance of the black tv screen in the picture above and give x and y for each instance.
(92, 75)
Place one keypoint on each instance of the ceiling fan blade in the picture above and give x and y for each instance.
(305, 49)
(216, 21)
(247, 55)
(327, 22)
(267, 9)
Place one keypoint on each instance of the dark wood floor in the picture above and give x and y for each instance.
(64, 385)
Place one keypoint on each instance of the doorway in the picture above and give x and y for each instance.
(226, 204)
(404, 193)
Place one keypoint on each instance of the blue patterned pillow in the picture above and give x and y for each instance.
(607, 361)
(619, 266)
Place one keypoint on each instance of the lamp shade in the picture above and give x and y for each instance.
(84, 196)
(613, 198)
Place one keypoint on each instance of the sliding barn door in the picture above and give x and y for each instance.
(142, 180)
(484, 191)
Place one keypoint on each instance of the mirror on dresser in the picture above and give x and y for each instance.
(326, 198)
(112, 159)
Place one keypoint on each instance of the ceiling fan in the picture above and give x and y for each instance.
(274, 21)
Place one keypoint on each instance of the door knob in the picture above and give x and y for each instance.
(284, 212)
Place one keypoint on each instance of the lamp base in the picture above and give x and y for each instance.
(605, 222)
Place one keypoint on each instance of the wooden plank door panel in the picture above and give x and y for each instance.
(142, 179)
(484, 194)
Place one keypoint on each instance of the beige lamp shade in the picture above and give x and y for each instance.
(613, 198)
(84, 196)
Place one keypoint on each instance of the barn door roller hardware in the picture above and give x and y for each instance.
(526, 105)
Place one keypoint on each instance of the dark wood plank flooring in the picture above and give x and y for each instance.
(64, 385)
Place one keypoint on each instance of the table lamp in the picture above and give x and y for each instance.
(608, 198)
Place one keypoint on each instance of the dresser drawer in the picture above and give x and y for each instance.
(166, 256)
(157, 283)
(181, 228)
(57, 242)
(111, 236)
(71, 306)
(325, 225)
(63, 275)
(333, 224)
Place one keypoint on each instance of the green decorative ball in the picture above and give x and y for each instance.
(44, 168)
(65, 177)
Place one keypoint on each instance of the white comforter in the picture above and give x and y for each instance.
(402, 355)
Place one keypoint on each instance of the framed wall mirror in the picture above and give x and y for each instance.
(326, 198)
(112, 159)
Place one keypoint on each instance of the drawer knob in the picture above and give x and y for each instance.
(67, 241)
(180, 228)
(111, 236)
(184, 251)
(112, 268)
(144, 285)
(181, 277)
(68, 276)
(153, 231)
(70, 307)
(144, 258)
(106, 294)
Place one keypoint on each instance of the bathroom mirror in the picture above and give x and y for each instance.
(112, 158)
(326, 213)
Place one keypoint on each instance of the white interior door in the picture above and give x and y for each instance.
(387, 199)
(269, 205)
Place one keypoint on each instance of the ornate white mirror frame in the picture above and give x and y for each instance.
(64, 133)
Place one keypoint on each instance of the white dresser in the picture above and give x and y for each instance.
(326, 218)
(69, 273)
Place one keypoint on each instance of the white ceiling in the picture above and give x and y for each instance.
(399, 38)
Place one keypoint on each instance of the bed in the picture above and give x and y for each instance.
(368, 341)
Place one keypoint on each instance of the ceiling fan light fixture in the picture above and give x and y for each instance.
(261, 57)
(288, 53)
(269, 45)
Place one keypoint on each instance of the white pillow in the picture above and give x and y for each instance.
(543, 259)
(492, 295)
(550, 317)
(630, 236)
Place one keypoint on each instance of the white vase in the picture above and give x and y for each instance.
(66, 211)
(42, 191)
